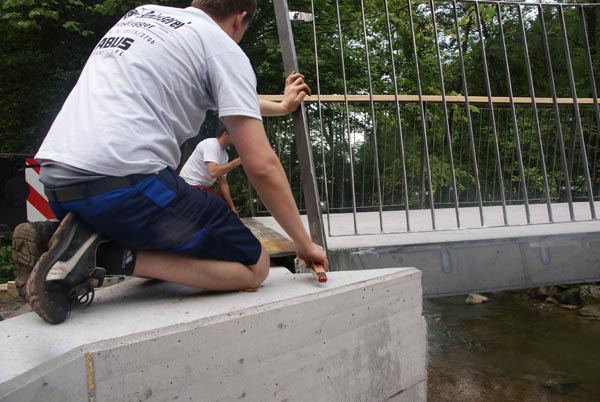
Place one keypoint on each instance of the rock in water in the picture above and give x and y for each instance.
(589, 294)
(590, 311)
(476, 298)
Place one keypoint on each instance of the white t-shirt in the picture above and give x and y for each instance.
(195, 170)
(145, 90)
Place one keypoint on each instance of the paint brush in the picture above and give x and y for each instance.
(316, 269)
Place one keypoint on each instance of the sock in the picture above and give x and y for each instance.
(115, 259)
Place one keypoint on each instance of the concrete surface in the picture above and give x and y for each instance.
(359, 337)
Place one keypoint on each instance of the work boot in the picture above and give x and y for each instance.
(29, 242)
(62, 277)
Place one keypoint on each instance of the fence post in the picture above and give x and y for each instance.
(303, 144)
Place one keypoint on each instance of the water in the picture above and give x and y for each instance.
(510, 349)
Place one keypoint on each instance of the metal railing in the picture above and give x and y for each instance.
(502, 108)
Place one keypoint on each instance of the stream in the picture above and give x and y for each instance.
(510, 349)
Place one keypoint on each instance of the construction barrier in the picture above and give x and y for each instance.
(38, 208)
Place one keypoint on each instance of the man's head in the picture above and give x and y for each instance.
(220, 130)
(221, 11)
(222, 135)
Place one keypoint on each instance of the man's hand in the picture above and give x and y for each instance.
(295, 91)
(313, 253)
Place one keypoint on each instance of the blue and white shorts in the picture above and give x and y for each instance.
(162, 212)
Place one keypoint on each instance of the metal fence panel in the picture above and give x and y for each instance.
(447, 105)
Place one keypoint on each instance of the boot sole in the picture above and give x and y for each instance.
(36, 285)
(34, 245)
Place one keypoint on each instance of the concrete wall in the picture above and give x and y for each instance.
(462, 267)
(359, 337)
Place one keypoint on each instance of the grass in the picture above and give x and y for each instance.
(8, 268)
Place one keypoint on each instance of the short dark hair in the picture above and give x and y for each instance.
(220, 130)
(221, 9)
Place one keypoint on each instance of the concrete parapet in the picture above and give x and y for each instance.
(359, 337)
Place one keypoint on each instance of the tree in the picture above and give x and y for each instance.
(45, 45)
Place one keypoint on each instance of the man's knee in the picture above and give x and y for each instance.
(261, 269)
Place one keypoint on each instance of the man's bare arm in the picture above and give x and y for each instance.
(268, 177)
(224, 188)
(215, 170)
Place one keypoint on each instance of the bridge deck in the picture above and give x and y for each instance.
(342, 236)
(472, 258)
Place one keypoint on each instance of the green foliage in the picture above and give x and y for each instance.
(46, 43)
(44, 50)
(8, 269)
(44, 47)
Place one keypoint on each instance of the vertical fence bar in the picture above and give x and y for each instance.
(320, 109)
(508, 153)
(572, 145)
(307, 170)
(559, 130)
(424, 158)
(385, 131)
(252, 197)
(340, 130)
(394, 166)
(468, 111)
(487, 164)
(423, 116)
(373, 117)
(342, 138)
(364, 167)
(488, 89)
(514, 115)
(331, 203)
(446, 127)
(347, 109)
(536, 121)
(576, 110)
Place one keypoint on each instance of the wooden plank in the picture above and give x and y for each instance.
(274, 243)
(11, 288)
(433, 99)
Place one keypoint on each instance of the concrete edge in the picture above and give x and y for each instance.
(78, 353)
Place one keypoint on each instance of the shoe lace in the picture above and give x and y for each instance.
(82, 294)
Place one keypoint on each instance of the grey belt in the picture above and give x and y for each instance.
(91, 188)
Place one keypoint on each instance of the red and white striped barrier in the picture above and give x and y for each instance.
(38, 208)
